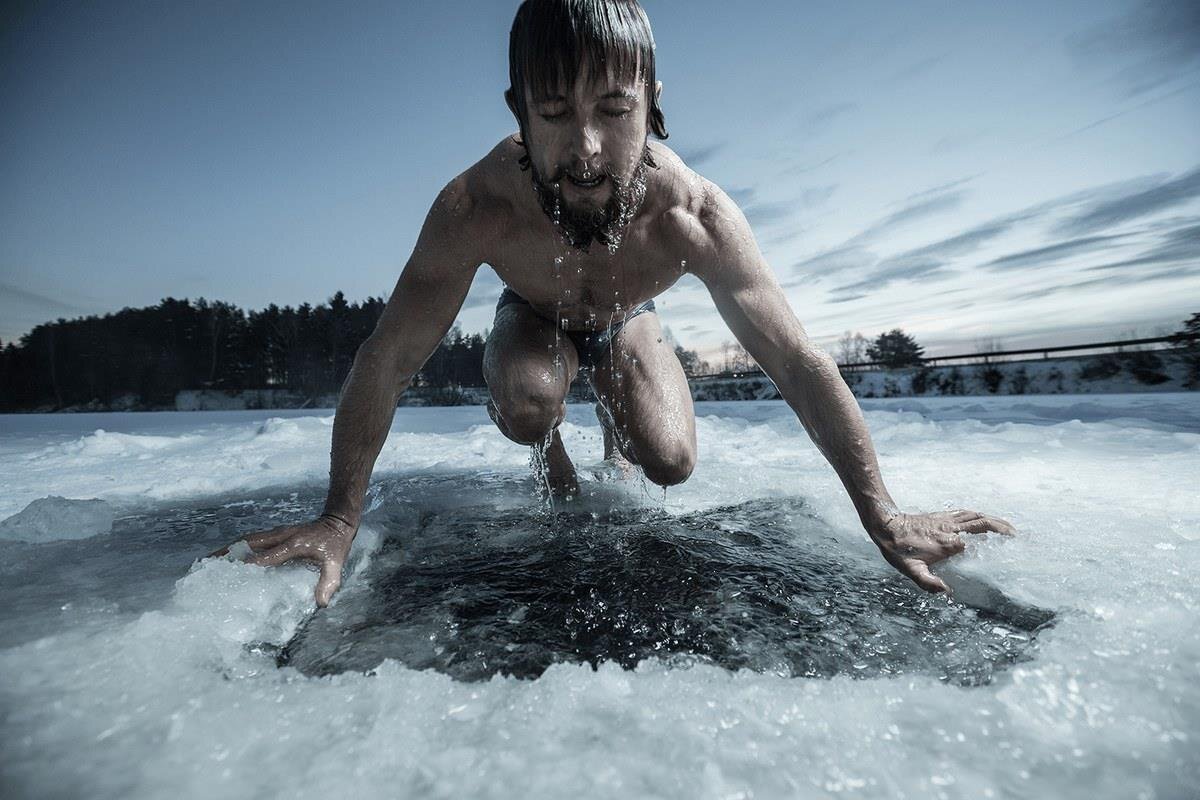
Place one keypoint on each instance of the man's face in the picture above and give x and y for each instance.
(587, 148)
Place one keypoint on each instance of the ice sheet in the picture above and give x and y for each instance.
(129, 673)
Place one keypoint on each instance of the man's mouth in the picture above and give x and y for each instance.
(590, 183)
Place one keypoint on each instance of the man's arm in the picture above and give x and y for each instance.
(754, 307)
(427, 298)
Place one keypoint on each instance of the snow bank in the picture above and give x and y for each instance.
(53, 518)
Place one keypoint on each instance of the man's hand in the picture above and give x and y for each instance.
(325, 542)
(913, 542)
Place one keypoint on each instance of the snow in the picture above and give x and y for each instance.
(49, 519)
(132, 669)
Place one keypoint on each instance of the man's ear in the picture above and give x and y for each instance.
(512, 103)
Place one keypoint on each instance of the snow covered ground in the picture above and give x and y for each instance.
(132, 670)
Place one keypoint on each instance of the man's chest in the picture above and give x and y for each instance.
(586, 290)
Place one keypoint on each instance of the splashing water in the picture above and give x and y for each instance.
(758, 586)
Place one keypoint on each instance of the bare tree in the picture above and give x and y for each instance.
(988, 346)
(734, 358)
(852, 350)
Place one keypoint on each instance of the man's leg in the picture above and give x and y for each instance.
(528, 369)
(645, 395)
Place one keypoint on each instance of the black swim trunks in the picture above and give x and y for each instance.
(591, 345)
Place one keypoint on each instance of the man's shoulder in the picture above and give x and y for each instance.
(693, 207)
(484, 190)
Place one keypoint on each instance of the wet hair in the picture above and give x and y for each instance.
(552, 40)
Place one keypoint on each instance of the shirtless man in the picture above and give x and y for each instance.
(586, 220)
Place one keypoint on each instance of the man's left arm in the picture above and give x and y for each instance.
(754, 307)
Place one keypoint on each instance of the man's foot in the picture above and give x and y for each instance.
(560, 472)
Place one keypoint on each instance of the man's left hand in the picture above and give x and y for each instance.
(913, 542)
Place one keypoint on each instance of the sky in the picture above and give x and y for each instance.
(1022, 173)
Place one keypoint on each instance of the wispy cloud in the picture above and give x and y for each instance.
(926, 207)
(10, 293)
(1111, 281)
(820, 119)
(1182, 244)
(831, 262)
(769, 213)
(742, 196)
(1153, 43)
(1150, 101)
(805, 167)
(696, 157)
(485, 290)
(941, 188)
(1052, 253)
(1135, 205)
(918, 68)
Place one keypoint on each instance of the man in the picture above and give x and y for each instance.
(586, 221)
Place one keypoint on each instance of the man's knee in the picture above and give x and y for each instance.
(671, 465)
(527, 418)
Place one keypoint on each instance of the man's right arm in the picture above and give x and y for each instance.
(427, 298)
(424, 304)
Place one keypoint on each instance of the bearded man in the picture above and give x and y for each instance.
(586, 220)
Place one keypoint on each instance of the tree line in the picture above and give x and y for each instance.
(144, 356)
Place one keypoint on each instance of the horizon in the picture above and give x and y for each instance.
(1014, 174)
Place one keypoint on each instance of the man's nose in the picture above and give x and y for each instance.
(585, 145)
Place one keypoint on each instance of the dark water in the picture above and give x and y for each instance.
(474, 591)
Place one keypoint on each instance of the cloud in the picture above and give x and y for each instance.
(941, 188)
(742, 197)
(1110, 281)
(800, 169)
(1128, 110)
(1182, 244)
(899, 268)
(769, 213)
(1153, 43)
(822, 118)
(1052, 254)
(839, 259)
(913, 211)
(8, 292)
(918, 68)
(826, 113)
(696, 157)
(485, 290)
(1164, 195)
(952, 142)
(1177, 249)
(936, 260)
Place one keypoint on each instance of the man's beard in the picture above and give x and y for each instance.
(581, 226)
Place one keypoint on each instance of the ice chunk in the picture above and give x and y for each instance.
(50, 519)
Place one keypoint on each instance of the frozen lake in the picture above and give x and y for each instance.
(739, 637)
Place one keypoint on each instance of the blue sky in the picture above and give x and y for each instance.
(1025, 172)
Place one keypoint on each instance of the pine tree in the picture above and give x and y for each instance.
(895, 349)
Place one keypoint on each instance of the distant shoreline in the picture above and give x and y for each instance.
(1110, 373)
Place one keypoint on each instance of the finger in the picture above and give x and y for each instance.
(1001, 525)
(987, 525)
(257, 541)
(278, 555)
(268, 539)
(919, 572)
(331, 579)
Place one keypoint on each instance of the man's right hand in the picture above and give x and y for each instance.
(325, 542)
